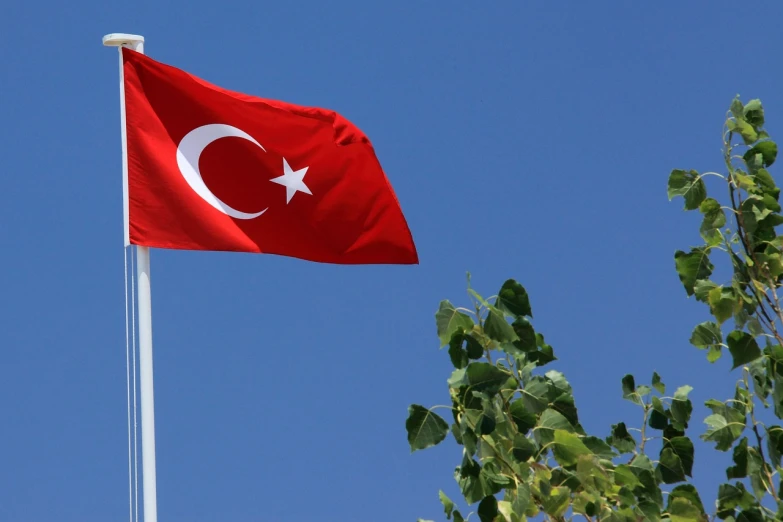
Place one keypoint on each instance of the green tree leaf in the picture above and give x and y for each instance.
(472, 484)
(683, 448)
(488, 509)
(523, 418)
(723, 303)
(701, 289)
(768, 151)
(458, 378)
(753, 113)
(424, 427)
(681, 408)
(506, 512)
(513, 299)
(544, 354)
(448, 320)
(693, 266)
(706, 335)
(629, 390)
(774, 444)
(744, 129)
(526, 334)
(473, 347)
(448, 505)
(714, 353)
(485, 424)
(624, 476)
(658, 420)
(714, 220)
(737, 109)
(689, 185)
(535, 397)
(469, 437)
(556, 503)
(743, 348)
(771, 260)
(753, 211)
(457, 354)
(723, 431)
(485, 377)
(650, 512)
(522, 501)
(752, 514)
(621, 439)
(643, 468)
(683, 510)
(730, 497)
(689, 492)
(550, 421)
(599, 448)
(568, 448)
(740, 457)
(523, 448)
(497, 328)
(658, 384)
(765, 180)
(670, 467)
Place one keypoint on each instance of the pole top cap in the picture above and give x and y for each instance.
(122, 39)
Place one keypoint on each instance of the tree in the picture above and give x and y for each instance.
(524, 451)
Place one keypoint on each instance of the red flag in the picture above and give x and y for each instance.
(212, 169)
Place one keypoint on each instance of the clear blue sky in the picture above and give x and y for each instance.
(523, 139)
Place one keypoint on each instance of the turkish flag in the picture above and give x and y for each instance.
(212, 169)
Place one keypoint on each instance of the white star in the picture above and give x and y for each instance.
(292, 180)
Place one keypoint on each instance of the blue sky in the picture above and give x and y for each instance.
(524, 139)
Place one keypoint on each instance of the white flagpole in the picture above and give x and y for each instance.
(148, 477)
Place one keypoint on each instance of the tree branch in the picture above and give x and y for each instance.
(647, 408)
(766, 466)
(746, 243)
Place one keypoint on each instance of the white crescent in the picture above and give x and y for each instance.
(188, 153)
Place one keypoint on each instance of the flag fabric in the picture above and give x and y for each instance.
(212, 169)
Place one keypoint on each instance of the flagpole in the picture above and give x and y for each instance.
(148, 476)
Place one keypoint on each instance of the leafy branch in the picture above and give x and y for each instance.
(525, 453)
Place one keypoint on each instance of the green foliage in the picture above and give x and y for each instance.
(525, 453)
(751, 247)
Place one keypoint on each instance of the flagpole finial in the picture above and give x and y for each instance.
(122, 39)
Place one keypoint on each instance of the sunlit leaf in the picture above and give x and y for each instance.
(448, 505)
(683, 510)
(568, 448)
(688, 492)
(724, 429)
